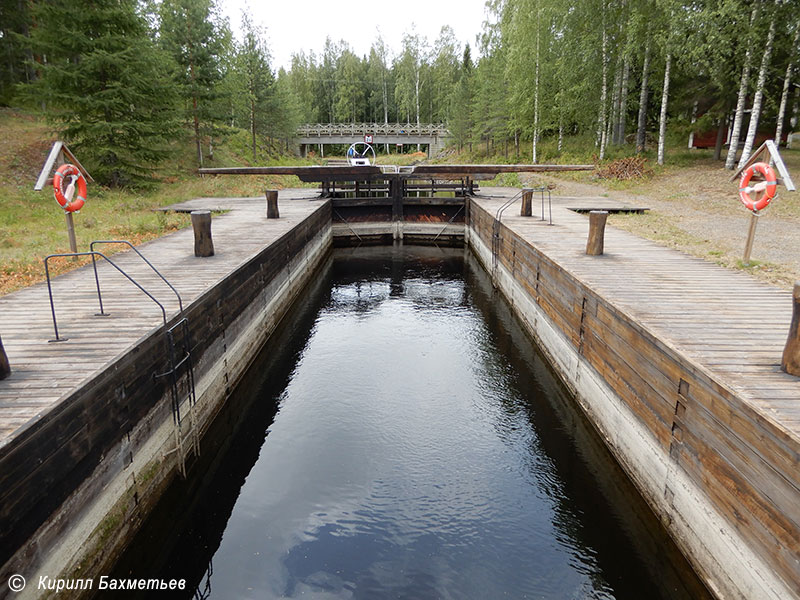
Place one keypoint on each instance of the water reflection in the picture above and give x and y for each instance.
(402, 438)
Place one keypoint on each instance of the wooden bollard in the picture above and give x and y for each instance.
(272, 204)
(526, 210)
(5, 367)
(201, 223)
(597, 232)
(791, 353)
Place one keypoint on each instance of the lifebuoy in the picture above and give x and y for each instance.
(77, 179)
(769, 186)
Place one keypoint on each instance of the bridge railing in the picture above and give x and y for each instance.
(331, 129)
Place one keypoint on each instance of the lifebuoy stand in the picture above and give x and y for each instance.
(790, 362)
(60, 155)
(768, 151)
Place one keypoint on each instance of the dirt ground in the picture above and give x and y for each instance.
(696, 209)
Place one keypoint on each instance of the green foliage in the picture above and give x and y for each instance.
(15, 23)
(191, 33)
(106, 87)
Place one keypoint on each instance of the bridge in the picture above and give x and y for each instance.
(433, 136)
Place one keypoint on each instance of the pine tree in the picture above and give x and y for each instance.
(460, 115)
(16, 60)
(257, 80)
(190, 34)
(106, 87)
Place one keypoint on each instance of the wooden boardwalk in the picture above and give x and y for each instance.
(725, 321)
(45, 373)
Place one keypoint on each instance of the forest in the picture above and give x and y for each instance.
(120, 79)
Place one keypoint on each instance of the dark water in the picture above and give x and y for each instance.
(401, 437)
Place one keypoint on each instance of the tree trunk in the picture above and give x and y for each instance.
(730, 160)
(612, 122)
(786, 84)
(641, 130)
(536, 96)
(662, 121)
(796, 104)
(603, 92)
(693, 121)
(195, 115)
(253, 126)
(720, 138)
(623, 102)
(197, 132)
(755, 114)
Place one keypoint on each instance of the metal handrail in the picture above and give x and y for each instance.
(93, 253)
(499, 214)
(132, 247)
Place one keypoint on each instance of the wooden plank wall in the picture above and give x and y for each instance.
(42, 467)
(746, 464)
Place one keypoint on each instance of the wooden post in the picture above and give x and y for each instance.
(201, 224)
(751, 234)
(272, 204)
(791, 353)
(597, 232)
(526, 210)
(73, 244)
(5, 367)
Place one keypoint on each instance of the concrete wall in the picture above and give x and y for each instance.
(566, 317)
(105, 486)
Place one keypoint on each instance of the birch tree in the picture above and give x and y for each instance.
(793, 50)
(378, 67)
(641, 129)
(622, 121)
(744, 82)
(601, 119)
(408, 69)
(662, 121)
(755, 113)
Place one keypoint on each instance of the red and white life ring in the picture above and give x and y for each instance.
(77, 180)
(769, 186)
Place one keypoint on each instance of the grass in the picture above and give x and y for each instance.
(32, 225)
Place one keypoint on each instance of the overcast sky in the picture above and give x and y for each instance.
(295, 25)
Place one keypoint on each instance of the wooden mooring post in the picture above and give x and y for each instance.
(526, 209)
(5, 367)
(201, 224)
(272, 204)
(597, 232)
(791, 353)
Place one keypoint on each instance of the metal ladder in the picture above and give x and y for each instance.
(178, 341)
(179, 350)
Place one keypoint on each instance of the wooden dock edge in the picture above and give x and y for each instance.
(734, 532)
(81, 532)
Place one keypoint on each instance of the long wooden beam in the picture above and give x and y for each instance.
(350, 173)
